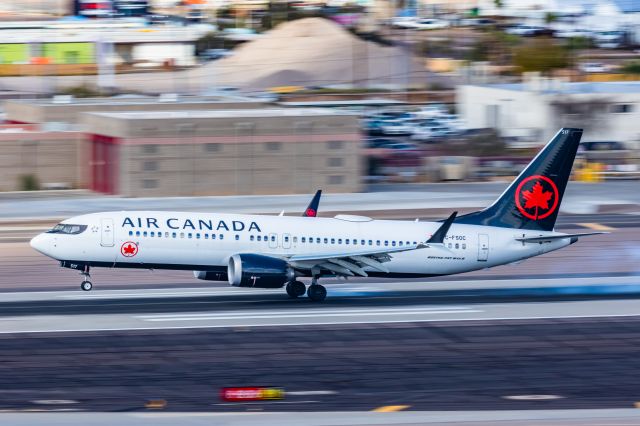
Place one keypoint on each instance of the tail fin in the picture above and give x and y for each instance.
(312, 208)
(533, 199)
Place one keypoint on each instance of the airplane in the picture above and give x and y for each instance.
(276, 251)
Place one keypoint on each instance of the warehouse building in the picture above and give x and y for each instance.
(66, 111)
(32, 159)
(535, 109)
(251, 151)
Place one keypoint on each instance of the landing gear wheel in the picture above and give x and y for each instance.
(86, 285)
(296, 289)
(317, 293)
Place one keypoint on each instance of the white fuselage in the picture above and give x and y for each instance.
(201, 241)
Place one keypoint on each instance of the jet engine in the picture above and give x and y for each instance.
(254, 270)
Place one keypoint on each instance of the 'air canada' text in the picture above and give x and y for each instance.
(192, 224)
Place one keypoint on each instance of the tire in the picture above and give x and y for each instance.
(317, 293)
(296, 289)
(86, 286)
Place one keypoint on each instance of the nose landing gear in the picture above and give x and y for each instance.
(86, 279)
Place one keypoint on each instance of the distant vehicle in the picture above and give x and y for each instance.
(396, 128)
(478, 22)
(261, 251)
(573, 33)
(594, 67)
(528, 30)
(213, 54)
(610, 39)
(402, 146)
(430, 24)
(403, 21)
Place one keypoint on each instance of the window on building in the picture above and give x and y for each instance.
(273, 146)
(335, 162)
(149, 149)
(335, 180)
(212, 147)
(335, 144)
(621, 108)
(149, 183)
(149, 166)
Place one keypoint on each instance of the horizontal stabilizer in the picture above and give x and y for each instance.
(549, 238)
(438, 236)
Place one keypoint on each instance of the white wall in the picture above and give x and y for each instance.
(181, 54)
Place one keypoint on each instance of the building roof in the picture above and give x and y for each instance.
(573, 88)
(62, 101)
(209, 114)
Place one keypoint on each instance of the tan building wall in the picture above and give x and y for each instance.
(232, 152)
(51, 157)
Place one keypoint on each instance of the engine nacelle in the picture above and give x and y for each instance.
(255, 270)
(210, 275)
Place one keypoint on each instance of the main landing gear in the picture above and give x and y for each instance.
(316, 292)
(86, 280)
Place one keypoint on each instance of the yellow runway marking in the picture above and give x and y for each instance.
(391, 408)
(156, 404)
(597, 226)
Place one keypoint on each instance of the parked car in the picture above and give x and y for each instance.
(528, 30)
(573, 33)
(430, 24)
(396, 128)
(478, 22)
(610, 39)
(593, 67)
(403, 21)
(213, 54)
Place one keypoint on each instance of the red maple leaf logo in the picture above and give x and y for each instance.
(537, 198)
(311, 212)
(130, 249)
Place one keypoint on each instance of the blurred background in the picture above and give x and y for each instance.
(403, 109)
(182, 98)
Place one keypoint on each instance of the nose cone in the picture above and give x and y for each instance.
(41, 243)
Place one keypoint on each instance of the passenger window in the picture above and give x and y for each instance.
(377, 242)
(144, 234)
(408, 243)
(457, 245)
(450, 245)
(393, 243)
(414, 243)
(198, 235)
(166, 235)
(190, 235)
(339, 240)
(286, 239)
(130, 233)
(346, 241)
(174, 235)
(213, 236)
(222, 236)
(399, 243)
(303, 240)
(464, 246)
(370, 242)
(386, 242)
(333, 241)
(182, 235)
(152, 234)
(326, 240)
(251, 238)
(295, 239)
(259, 238)
(206, 236)
(159, 234)
(362, 242)
(237, 237)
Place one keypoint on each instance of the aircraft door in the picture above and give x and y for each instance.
(106, 232)
(286, 241)
(273, 241)
(483, 247)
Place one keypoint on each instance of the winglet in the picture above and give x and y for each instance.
(312, 208)
(438, 236)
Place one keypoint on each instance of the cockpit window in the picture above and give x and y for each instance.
(65, 228)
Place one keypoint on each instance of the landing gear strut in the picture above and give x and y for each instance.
(86, 279)
(295, 289)
(316, 292)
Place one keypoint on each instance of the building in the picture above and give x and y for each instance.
(251, 151)
(536, 109)
(66, 111)
(52, 159)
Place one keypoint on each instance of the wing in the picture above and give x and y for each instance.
(354, 263)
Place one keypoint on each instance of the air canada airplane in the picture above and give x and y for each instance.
(275, 251)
